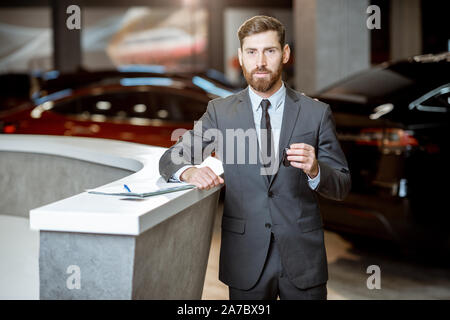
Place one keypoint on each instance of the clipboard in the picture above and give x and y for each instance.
(142, 191)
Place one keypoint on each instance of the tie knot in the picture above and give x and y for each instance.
(265, 104)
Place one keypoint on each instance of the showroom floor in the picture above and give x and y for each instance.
(19, 252)
(347, 267)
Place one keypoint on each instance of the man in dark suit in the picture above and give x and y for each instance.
(279, 150)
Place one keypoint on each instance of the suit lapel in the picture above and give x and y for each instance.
(244, 111)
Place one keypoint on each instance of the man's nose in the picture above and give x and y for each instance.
(261, 61)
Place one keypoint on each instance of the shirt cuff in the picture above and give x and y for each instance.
(314, 182)
(176, 176)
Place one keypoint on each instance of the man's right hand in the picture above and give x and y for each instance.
(203, 178)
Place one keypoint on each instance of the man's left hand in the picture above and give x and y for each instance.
(303, 156)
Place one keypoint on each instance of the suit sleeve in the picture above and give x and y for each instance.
(335, 182)
(193, 147)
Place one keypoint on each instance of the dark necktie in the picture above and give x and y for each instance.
(267, 144)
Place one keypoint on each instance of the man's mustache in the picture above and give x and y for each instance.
(263, 69)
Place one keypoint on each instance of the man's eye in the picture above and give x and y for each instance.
(251, 52)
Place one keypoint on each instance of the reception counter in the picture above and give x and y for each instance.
(106, 247)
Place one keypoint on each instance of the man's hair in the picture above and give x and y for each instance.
(259, 24)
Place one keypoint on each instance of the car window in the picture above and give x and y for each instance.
(179, 108)
(120, 104)
(135, 104)
(437, 100)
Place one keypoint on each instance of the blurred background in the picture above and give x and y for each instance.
(200, 34)
(144, 70)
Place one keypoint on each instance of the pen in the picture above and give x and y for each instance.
(126, 187)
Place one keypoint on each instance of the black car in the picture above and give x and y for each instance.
(393, 125)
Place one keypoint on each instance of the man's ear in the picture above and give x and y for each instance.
(240, 56)
(286, 53)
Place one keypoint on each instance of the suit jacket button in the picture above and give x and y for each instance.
(270, 194)
(268, 225)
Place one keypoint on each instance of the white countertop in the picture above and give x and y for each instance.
(92, 213)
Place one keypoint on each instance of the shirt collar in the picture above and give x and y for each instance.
(275, 100)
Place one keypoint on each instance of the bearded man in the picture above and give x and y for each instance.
(272, 241)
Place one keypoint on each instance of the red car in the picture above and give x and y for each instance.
(140, 107)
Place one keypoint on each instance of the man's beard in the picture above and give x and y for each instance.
(261, 84)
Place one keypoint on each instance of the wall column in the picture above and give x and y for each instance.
(406, 29)
(66, 42)
(331, 41)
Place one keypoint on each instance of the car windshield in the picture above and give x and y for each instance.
(383, 81)
(367, 86)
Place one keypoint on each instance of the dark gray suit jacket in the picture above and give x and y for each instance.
(286, 206)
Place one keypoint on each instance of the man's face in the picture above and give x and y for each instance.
(262, 58)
